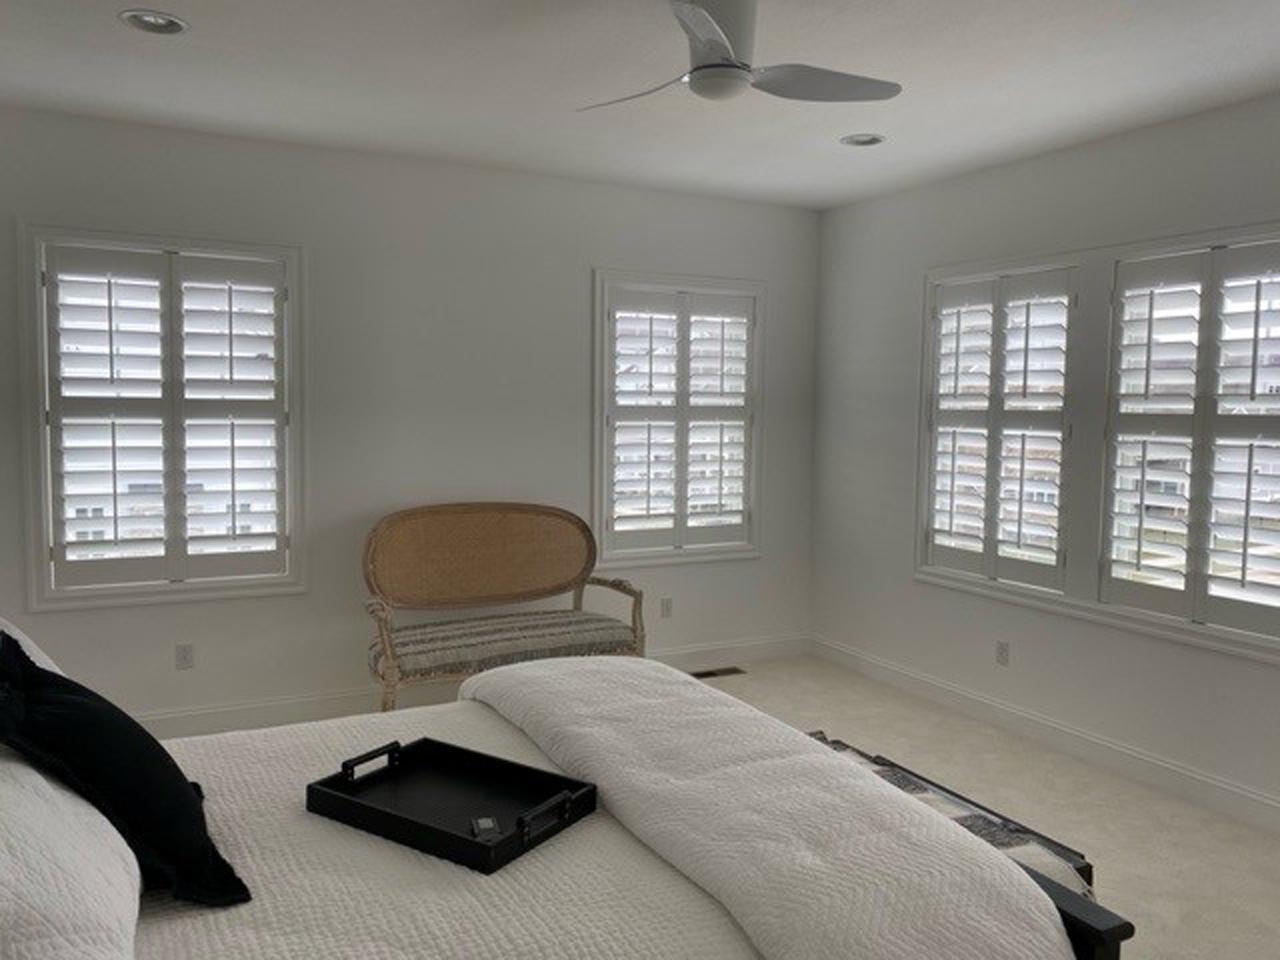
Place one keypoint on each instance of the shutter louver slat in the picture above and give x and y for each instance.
(229, 341)
(718, 360)
(1030, 478)
(964, 357)
(645, 357)
(716, 489)
(111, 488)
(1150, 513)
(644, 475)
(1158, 345)
(108, 334)
(1249, 345)
(960, 489)
(1244, 547)
(1035, 353)
(231, 486)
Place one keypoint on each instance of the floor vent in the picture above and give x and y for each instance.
(719, 672)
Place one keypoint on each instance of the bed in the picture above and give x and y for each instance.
(723, 833)
(323, 889)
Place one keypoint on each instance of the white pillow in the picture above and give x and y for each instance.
(69, 884)
(38, 656)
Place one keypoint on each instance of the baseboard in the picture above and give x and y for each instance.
(1221, 794)
(724, 653)
(275, 711)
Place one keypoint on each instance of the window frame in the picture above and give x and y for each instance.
(43, 593)
(1089, 432)
(613, 555)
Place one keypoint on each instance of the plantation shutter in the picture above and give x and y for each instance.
(106, 414)
(233, 415)
(963, 324)
(1243, 563)
(1158, 304)
(996, 413)
(166, 416)
(679, 418)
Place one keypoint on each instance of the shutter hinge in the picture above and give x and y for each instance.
(44, 278)
(286, 542)
(284, 294)
(286, 418)
(48, 418)
(53, 554)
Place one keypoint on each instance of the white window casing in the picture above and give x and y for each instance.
(676, 434)
(994, 506)
(1176, 490)
(165, 420)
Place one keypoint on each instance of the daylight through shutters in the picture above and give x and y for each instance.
(679, 409)
(167, 416)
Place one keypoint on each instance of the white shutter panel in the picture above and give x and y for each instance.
(718, 400)
(1035, 310)
(961, 406)
(105, 322)
(1158, 349)
(1243, 564)
(233, 416)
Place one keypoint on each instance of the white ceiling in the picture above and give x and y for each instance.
(497, 81)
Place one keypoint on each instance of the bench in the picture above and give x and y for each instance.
(458, 555)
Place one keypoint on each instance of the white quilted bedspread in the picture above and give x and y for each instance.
(325, 891)
(816, 858)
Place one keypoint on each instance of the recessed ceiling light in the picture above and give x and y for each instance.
(862, 139)
(153, 21)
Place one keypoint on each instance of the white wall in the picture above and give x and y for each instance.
(449, 339)
(1204, 722)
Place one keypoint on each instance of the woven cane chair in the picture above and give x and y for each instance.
(458, 555)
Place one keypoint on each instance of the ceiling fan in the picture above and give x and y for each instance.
(721, 38)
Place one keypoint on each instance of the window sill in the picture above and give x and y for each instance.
(90, 598)
(1240, 643)
(630, 559)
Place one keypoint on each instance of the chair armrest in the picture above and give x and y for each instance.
(380, 610)
(637, 604)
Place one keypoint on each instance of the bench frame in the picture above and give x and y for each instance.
(458, 555)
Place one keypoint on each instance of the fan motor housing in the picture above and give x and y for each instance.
(719, 82)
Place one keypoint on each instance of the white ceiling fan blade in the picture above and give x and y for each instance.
(634, 96)
(798, 81)
(709, 42)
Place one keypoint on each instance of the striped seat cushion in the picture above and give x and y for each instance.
(468, 646)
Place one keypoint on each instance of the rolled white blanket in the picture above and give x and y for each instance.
(813, 856)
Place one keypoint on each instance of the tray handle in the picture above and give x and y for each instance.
(557, 805)
(392, 751)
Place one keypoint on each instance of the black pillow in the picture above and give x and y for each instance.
(101, 753)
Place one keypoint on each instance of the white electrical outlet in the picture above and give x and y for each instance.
(1002, 653)
(664, 608)
(184, 656)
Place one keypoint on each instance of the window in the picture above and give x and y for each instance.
(1195, 505)
(677, 375)
(1169, 464)
(996, 419)
(167, 434)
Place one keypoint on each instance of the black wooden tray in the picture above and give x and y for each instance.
(429, 795)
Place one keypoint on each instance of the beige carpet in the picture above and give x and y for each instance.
(1197, 885)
